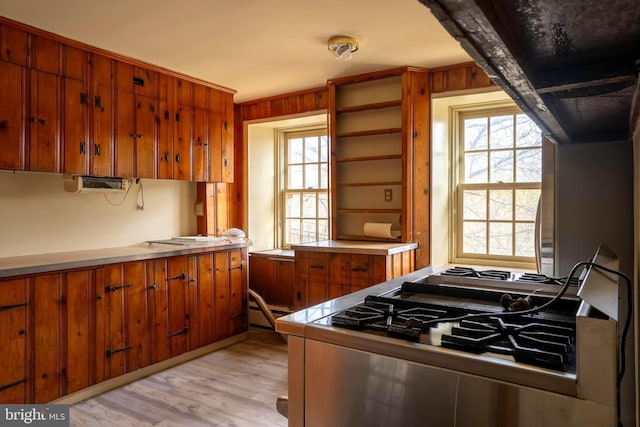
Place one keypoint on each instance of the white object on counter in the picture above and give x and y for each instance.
(380, 229)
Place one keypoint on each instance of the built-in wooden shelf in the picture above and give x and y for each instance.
(368, 238)
(369, 132)
(377, 211)
(368, 158)
(369, 184)
(366, 107)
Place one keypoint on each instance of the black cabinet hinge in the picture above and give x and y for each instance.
(108, 289)
(118, 350)
(137, 81)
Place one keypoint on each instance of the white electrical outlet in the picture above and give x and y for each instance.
(198, 208)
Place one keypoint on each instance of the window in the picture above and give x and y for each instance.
(305, 187)
(498, 186)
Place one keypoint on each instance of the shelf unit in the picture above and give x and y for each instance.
(379, 127)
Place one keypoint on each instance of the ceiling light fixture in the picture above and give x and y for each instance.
(342, 47)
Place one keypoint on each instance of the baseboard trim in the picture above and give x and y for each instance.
(129, 377)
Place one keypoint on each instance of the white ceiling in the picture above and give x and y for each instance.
(258, 47)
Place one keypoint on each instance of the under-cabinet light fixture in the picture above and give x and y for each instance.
(342, 47)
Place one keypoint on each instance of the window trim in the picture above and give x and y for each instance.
(456, 114)
(281, 177)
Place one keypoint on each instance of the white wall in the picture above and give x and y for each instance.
(261, 187)
(37, 216)
(441, 132)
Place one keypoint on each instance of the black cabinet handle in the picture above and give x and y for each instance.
(178, 158)
(97, 149)
(361, 269)
(182, 331)
(139, 135)
(166, 114)
(180, 277)
(154, 286)
(99, 297)
(9, 307)
(317, 266)
(13, 384)
(108, 289)
(237, 267)
(166, 157)
(98, 102)
(42, 121)
(83, 98)
(83, 148)
(118, 350)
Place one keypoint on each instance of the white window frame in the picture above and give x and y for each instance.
(282, 135)
(457, 175)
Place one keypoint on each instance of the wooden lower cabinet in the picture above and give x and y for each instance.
(14, 332)
(272, 278)
(121, 343)
(68, 330)
(320, 275)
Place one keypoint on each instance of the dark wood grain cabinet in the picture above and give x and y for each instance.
(71, 108)
(272, 277)
(14, 333)
(68, 330)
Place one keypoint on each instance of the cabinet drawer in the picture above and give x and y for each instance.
(315, 265)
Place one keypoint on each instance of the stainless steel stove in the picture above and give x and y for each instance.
(461, 347)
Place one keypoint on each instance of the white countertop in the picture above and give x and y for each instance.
(356, 247)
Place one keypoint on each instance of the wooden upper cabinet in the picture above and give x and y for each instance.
(200, 148)
(183, 129)
(165, 123)
(136, 114)
(43, 118)
(12, 115)
(103, 117)
(76, 126)
(45, 55)
(227, 139)
(13, 45)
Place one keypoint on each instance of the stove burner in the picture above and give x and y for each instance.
(533, 342)
(542, 339)
(545, 280)
(470, 272)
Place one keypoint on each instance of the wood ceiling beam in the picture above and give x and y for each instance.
(468, 24)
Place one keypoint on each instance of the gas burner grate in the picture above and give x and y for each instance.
(546, 280)
(471, 272)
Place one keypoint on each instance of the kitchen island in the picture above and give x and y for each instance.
(76, 324)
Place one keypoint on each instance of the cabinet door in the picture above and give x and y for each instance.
(12, 113)
(125, 133)
(200, 148)
(165, 123)
(227, 148)
(103, 116)
(238, 291)
(13, 45)
(215, 146)
(158, 310)
(79, 310)
(282, 293)
(145, 136)
(14, 375)
(43, 118)
(182, 143)
(121, 325)
(222, 306)
(203, 331)
(177, 280)
(75, 129)
(45, 55)
(47, 332)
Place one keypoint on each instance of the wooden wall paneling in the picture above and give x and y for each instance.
(420, 153)
(459, 77)
(223, 208)
(14, 335)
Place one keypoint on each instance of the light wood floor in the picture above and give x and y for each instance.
(236, 386)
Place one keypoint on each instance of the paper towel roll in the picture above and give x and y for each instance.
(380, 229)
